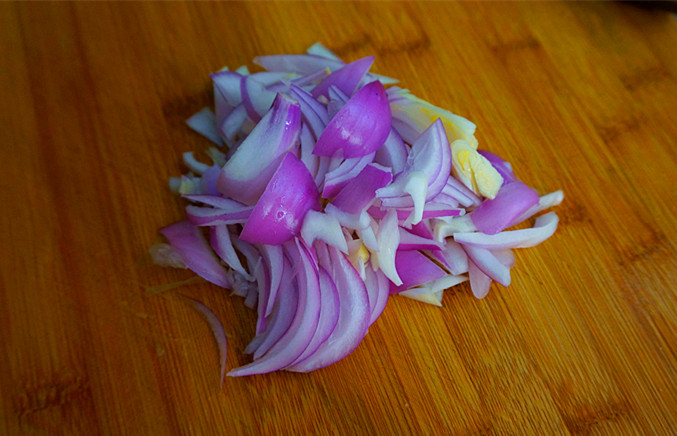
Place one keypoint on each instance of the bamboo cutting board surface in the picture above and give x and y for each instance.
(578, 96)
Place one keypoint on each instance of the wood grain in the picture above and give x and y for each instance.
(578, 96)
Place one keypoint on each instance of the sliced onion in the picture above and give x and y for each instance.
(227, 84)
(430, 210)
(455, 258)
(544, 227)
(359, 192)
(426, 172)
(378, 290)
(274, 259)
(189, 242)
(414, 269)
(311, 161)
(281, 317)
(314, 113)
(204, 123)
(480, 283)
(222, 245)
(247, 172)
(256, 99)
(410, 241)
(209, 179)
(217, 330)
(512, 200)
(345, 78)
(318, 225)
(489, 264)
(545, 202)
(329, 314)
(360, 127)
(388, 239)
(354, 314)
(279, 214)
(209, 216)
(336, 179)
(301, 331)
(411, 218)
(393, 154)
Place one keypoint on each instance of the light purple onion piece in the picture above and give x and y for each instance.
(307, 157)
(302, 329)
(505, 256)
(247, 172)
(360, 127)
(345, 78)
(414, 269)
(489, 264)
(480, 283)
(426, 172)
(227, 85)
(221, 111)
(251, 298)
(456, 189)
(430, 210)
(250, 252)
(204, 123)
(232, 124)
(209, 216)
(189, 242)
(209, 179)
(408, 131)
(268, 78)
(354, 313)
(512, 200)
(221, 243)
(393, 154)
(421, 229)
(336, 101)
(273, 258)
(323, 165)
(281, 317)
(329, 314)
(262, 278)
(455, 257)
(337, 95)
(256, 99)
(544, 227)
(279, 213)
(378, 289)
(224, 204)
(410, 241)
(336, 179)
(217, 330)
(359, 192)
(313, 112)
(545, 202)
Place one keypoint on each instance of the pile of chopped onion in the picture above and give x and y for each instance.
(328, 194)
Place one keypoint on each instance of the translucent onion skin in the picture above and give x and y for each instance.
(333, 195)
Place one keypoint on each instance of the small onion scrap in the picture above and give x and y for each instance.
(329, 193)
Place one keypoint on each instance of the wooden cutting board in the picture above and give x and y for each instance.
(578, 96)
